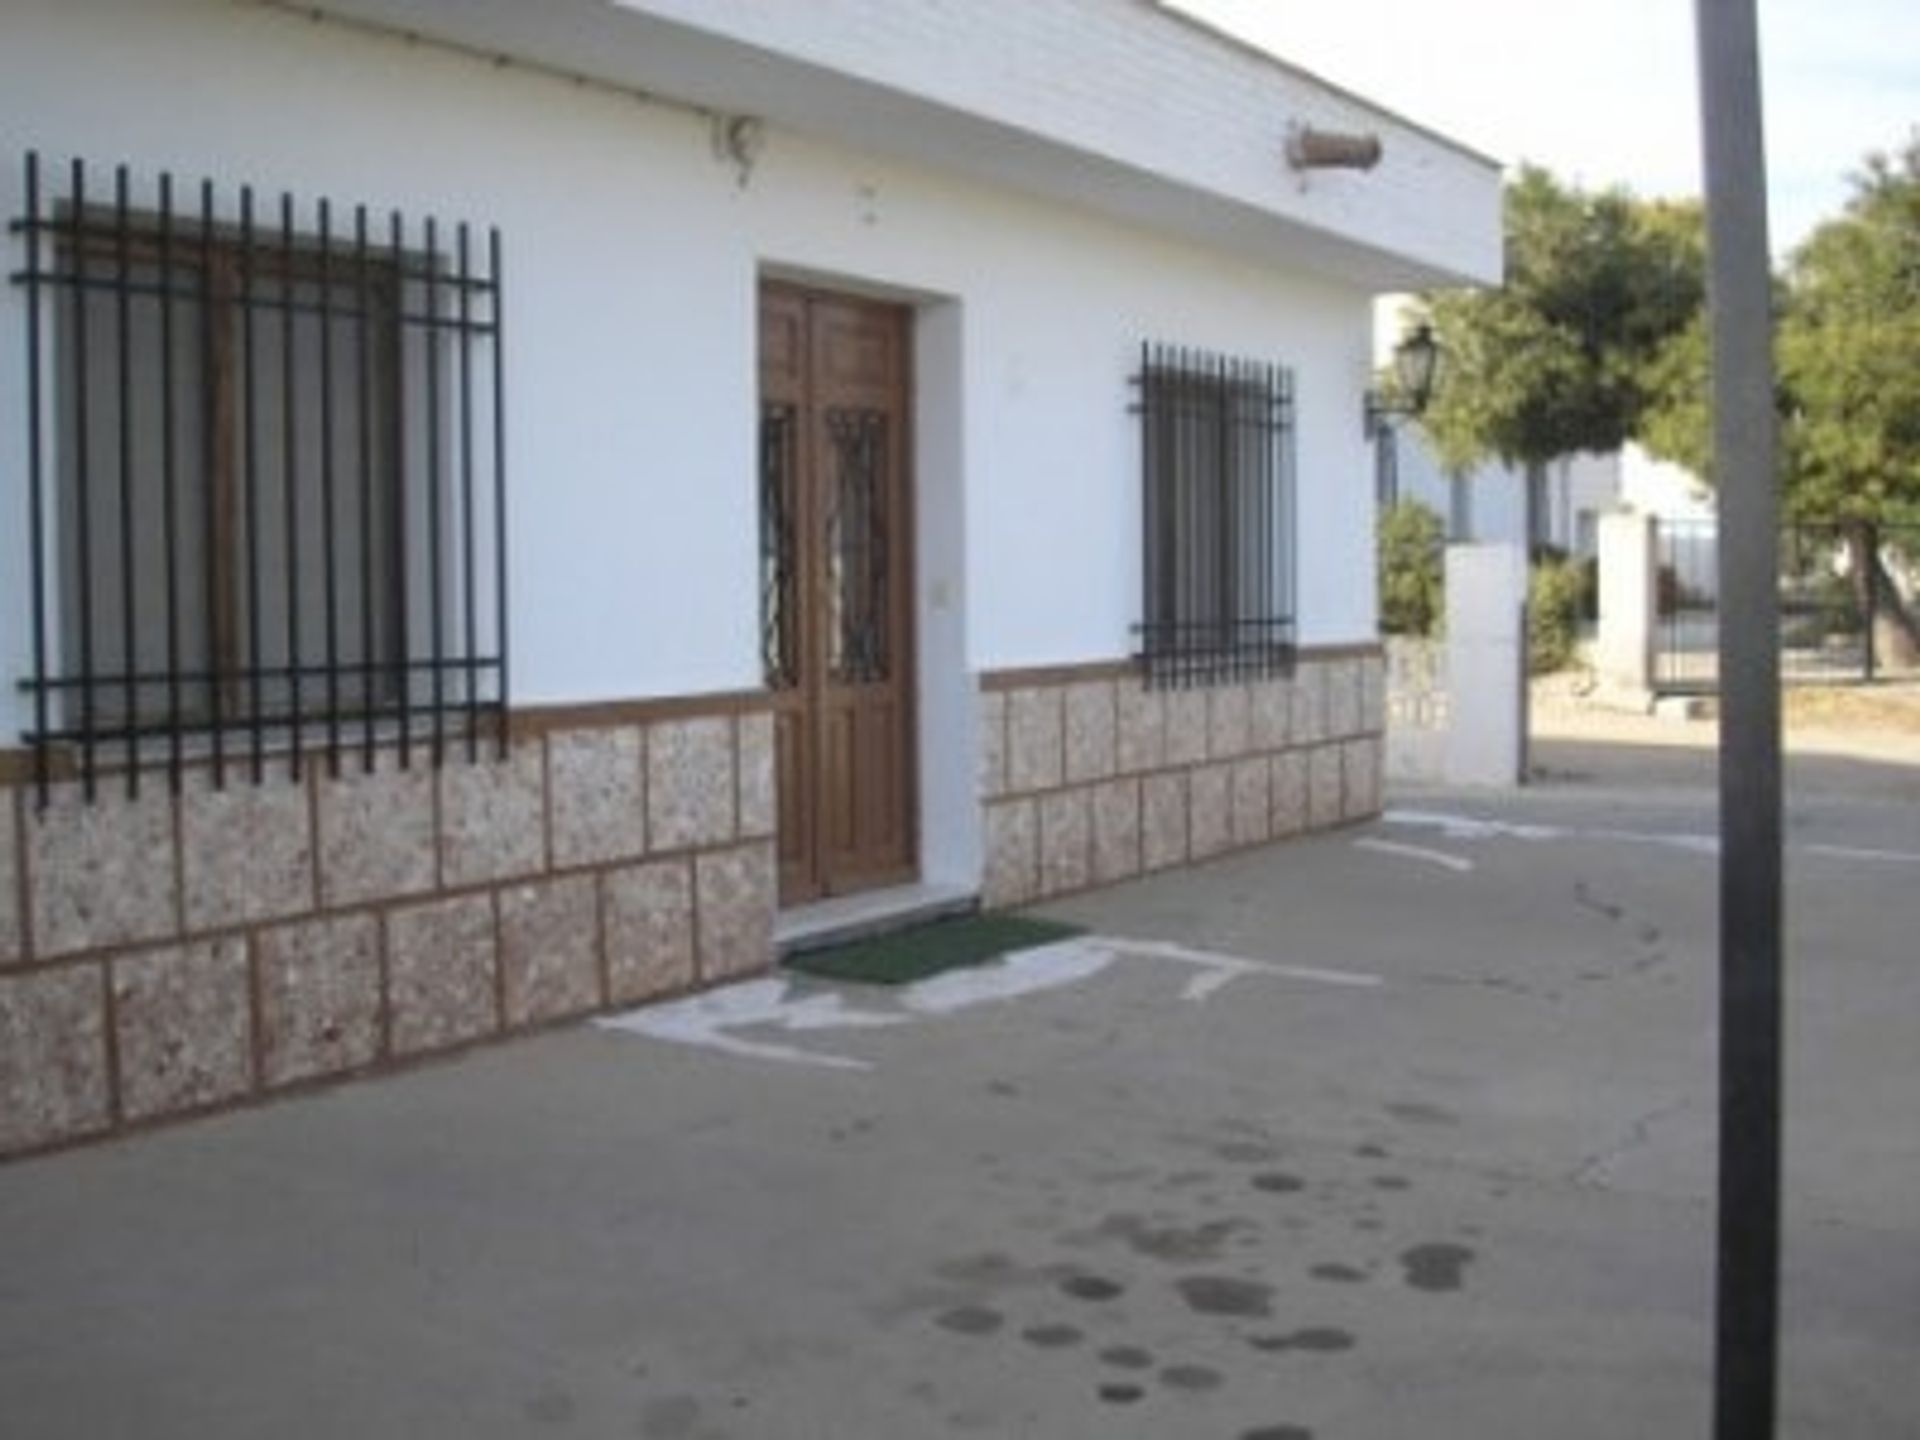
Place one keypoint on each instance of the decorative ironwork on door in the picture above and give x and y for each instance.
(857, 544)
(779, 555)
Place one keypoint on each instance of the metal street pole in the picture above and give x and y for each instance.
(1747, 1281)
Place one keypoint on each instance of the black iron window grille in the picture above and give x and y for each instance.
(1216, 446)
(266, 479)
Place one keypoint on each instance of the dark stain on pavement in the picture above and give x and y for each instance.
(1436, 1266)
(1340, 1274)
(973, 1320)
(1120, 1394)
(1083, 1286)
(1172, 1244)
(1052, 1337)
(1127, 1357)
(1278, 1432)
(1278, 1182)
(1226, 1295)
(1392, 1182)
(1315, 1339)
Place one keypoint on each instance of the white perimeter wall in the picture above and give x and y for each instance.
(632, 258)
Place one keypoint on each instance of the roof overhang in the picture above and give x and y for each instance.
(1145, 116)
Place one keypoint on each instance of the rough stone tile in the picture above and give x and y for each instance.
(53, 1056)
(493, 816)
(754, 769)
(1308, 723)
(1211, 807)
(376, 831)
(1324, 785)
(319, 983)
(649, 930)
(183, 1024)
(689, 783)
(102, 873)
(594, 793)
(1116, 831)
(1035, 740)
(1360, 770)
(1066, 842)
(549, 949)
(1252, 820)
(993, 744)
(1343, 699)
(12, 940)
(736, 894)
(1270, 715)
(1289, 793)
(1012, 870)
(1163, 819)
(246, 850)
(1373, 696)
(1228, 722)
(1187, 726)
(1090, 731)
(440, 973)
(1140, 739)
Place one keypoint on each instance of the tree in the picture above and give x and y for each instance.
(1559, 359)
(1847, 353)
(1848, 349)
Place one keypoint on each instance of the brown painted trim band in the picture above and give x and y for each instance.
(543, 719)
(1030, 677)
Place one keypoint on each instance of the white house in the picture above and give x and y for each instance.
(504, 500)
(1490, 502)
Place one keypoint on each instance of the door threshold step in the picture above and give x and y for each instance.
(872, 912)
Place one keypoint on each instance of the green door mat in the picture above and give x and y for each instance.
(909, 955)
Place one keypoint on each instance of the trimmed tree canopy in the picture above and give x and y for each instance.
(1848, 349)
(1558, 359)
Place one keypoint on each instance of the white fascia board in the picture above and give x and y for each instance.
(1115, 105)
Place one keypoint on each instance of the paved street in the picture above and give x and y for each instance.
(1402, 1131)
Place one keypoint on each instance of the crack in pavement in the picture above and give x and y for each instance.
(1639, 1133)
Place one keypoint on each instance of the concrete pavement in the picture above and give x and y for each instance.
(1401, 1131)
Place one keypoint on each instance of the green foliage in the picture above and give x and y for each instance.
(1847, 361)
(1848, 350)
(1559, 359)
(1554, 588)
(1411, 542)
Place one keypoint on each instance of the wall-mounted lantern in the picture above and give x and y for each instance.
(1416, 363)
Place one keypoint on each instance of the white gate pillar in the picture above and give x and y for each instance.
(1486, 664)
(1629, 605)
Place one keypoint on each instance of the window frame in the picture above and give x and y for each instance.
(1219, 537)
(379, 395)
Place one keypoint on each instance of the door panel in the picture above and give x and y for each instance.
(836, 585)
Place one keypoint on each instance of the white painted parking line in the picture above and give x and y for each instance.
(715, 1020)
(1850, 852)
(709, 1021)
(1459, 864)
(1220, 969)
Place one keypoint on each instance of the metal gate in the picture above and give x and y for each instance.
(1830, 607)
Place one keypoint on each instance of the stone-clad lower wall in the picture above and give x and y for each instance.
(1088, 777)
(162, 955)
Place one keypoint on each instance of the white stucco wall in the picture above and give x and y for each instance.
(632, 261)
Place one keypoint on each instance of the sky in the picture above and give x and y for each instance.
(1604, 92)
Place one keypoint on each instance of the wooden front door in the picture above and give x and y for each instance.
(836, 578)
